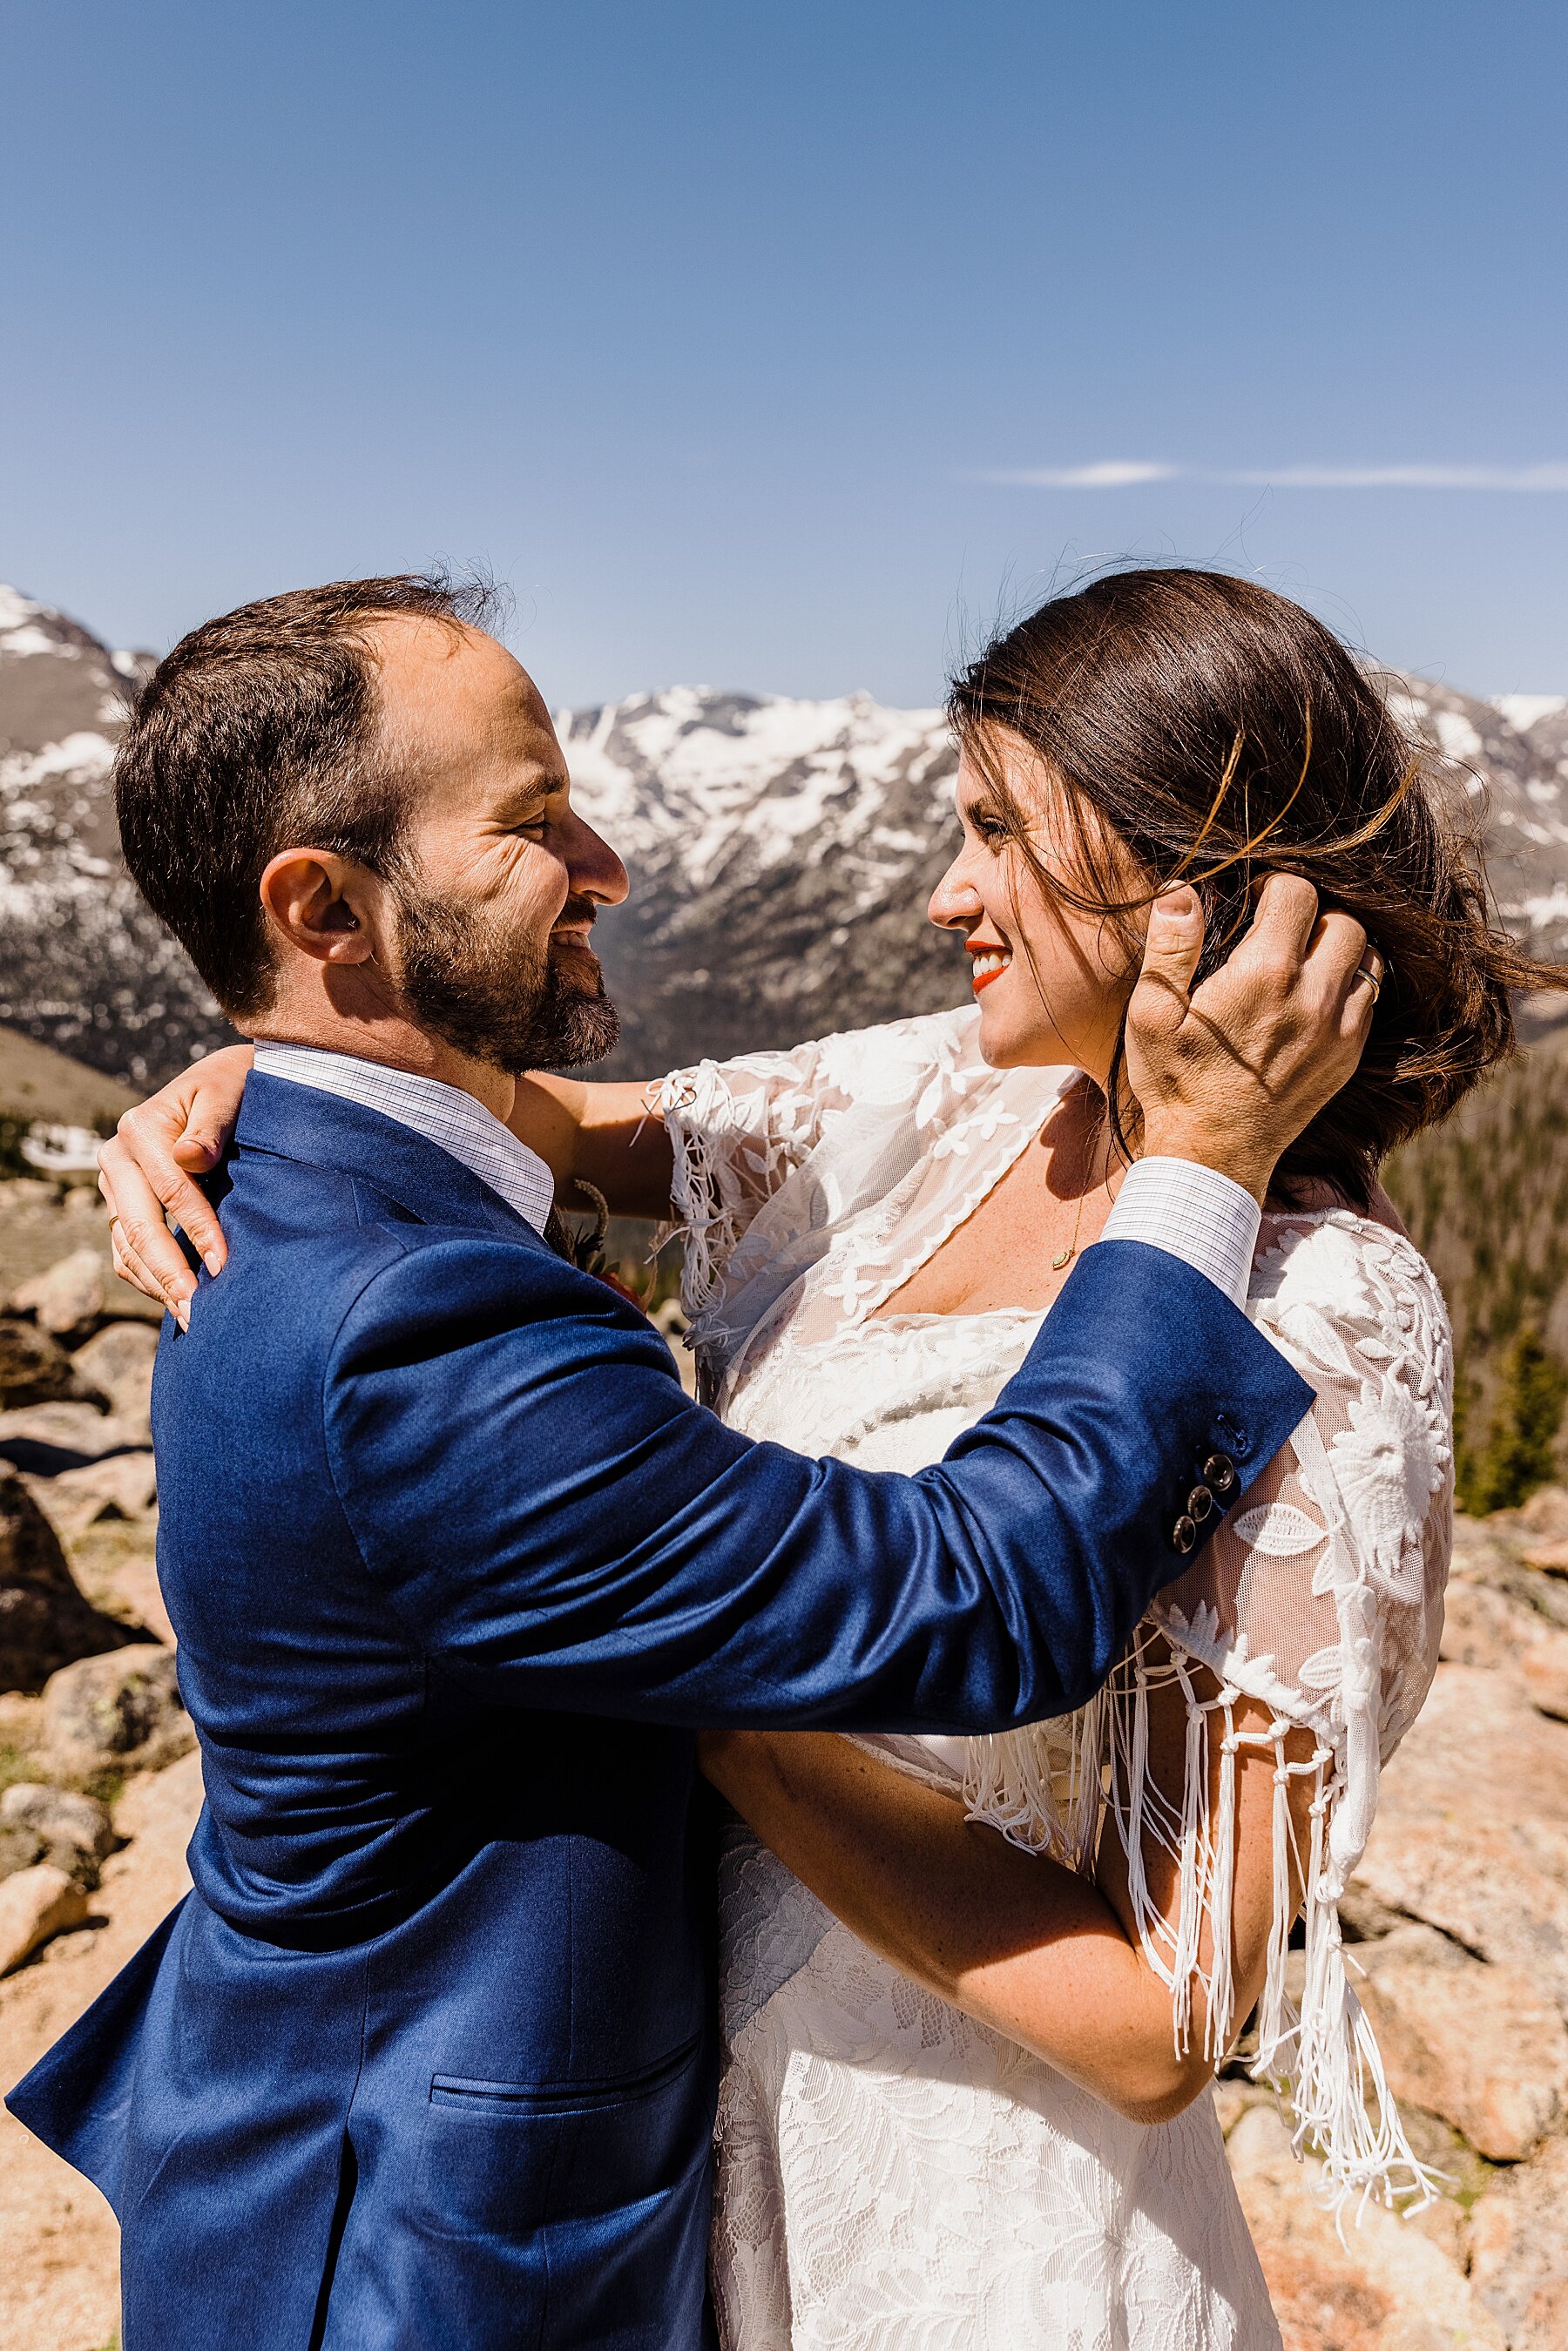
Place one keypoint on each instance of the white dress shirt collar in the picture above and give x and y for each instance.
(443, 1115)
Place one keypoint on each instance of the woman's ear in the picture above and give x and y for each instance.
(321, 904)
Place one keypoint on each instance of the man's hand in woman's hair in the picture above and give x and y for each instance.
(1231, 1072)
(146, 1175)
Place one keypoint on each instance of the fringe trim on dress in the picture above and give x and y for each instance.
(699, 1111)
(1049, 1789)
(702, 1119)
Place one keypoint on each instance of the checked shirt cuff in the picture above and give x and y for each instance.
(1193, 1213)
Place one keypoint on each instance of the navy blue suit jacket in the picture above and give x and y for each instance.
(426, 2059)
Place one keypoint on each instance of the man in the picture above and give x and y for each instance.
(426, 2058)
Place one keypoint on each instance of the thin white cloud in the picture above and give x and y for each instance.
(1128, 472)
(1111, 474)
(1408, 477)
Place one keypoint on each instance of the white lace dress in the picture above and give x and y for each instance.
(893, 2177)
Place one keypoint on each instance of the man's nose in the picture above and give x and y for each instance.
(594, 869)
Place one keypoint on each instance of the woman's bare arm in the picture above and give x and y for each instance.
(604, 1133)
(1014, 1940)
(149, 1171)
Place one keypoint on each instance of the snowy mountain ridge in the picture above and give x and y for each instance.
(782, 855)
(687, 766)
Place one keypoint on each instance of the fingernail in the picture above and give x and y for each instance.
(182, 1312)
(1180, 901)
(213, 1262)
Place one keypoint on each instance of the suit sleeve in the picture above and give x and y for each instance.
(549, 1513)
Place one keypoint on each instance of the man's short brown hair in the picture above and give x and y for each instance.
(258, 733)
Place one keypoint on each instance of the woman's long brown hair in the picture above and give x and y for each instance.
(1204, 729)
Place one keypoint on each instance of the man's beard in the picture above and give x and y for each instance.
(495, 996)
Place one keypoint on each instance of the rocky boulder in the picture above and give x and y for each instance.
(45, 1620)
(68, 1300)
(49, 1438)
(1485, 1626)
(1491, 1562)
(137, 1588)
(28, 1192)
(1519, 2252)
(1471, 1832)
(71, 1832)
(1538, 1532)
(20, 1847)
(34, 1905)
(1480, 2045)
(121, 1486)
(36, 1369)
(121, 1712)
(119, 1363)
(1543, 1670)
(1386, 2285)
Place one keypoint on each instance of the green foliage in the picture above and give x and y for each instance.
(1486, 1199)
(1521, 1452)
(1466, 1467)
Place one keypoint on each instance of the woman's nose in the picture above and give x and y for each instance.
(955, 902)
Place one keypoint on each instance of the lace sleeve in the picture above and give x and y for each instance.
(740, 1130)
(1321, 1600)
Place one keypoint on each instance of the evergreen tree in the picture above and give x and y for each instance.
(1521, 1449)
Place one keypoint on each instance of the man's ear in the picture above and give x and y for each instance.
(324, 905)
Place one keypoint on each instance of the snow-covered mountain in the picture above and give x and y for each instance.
(782, 855)
(782, 851)
(1512, 756)
(83, 965)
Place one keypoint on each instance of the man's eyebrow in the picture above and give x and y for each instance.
(543, 786)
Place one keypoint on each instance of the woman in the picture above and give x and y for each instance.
(961, 2099)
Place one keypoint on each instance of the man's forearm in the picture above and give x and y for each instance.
(640, 1558)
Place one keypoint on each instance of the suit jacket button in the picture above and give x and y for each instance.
(1219, 1474)
(1184, 1534)
(1199, 1503)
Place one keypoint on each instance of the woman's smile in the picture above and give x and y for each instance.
(989, 962)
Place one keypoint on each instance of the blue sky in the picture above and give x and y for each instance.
(780, 346)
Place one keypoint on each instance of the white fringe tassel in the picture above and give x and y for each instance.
(698, 1110)
(1044, 1789)
(1041, 1786)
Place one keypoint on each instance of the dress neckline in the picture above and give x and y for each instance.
(979, 1315)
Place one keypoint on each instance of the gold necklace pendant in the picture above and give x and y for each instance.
(1065, 1256)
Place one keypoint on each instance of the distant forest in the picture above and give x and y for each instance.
(1486, 1200)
